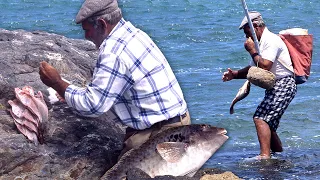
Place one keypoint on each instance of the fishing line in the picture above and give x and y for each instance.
(245, 8)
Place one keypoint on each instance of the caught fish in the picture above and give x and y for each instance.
(242, 93)
(25, 96)
(18, 110)
(32, 136)
(30, 113)
(178, 151)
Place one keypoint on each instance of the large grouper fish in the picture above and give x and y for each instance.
(178, 151)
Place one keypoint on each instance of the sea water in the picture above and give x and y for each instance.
(201, 39)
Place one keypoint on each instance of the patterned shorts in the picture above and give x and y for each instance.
(276, 101)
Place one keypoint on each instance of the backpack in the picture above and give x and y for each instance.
(300, 50)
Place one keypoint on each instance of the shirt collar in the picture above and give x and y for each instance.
(118, 26)
(264, 34)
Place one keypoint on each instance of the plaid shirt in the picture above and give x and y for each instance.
(131, 77)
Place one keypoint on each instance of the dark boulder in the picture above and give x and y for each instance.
(75, 147)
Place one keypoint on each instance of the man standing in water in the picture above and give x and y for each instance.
(276, 100)
(132, 77)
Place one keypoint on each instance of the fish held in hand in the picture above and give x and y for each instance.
(178, 151)
(242, 93)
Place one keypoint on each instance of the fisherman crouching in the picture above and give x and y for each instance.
(132, 77)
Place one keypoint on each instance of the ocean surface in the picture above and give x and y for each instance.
(200, 39)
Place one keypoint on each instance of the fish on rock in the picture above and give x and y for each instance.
(242, 93)
(30, 113)
(178, 151)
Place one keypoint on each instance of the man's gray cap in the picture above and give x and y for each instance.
(91, 8)
(253, 15)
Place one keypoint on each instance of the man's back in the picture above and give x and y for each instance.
(271, 48)
(144, 88)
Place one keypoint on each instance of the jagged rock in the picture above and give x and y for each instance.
(75, 147)
(22, 51)
(223, 176)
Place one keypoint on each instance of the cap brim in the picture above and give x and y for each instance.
(252, 15)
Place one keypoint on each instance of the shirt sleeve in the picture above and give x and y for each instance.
(110, 80)
(269, 51)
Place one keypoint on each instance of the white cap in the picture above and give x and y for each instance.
(253, 15)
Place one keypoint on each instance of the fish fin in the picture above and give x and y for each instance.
(11, 103)
(191, 173)
(40, 96)
(172, 151)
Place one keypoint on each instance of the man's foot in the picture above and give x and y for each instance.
(257, 158)
(260, 157)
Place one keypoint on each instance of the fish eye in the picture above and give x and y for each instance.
(204, 126)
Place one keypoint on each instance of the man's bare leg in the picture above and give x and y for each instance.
(276, 145)
(264, 136)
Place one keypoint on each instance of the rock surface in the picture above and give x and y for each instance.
(75, 147)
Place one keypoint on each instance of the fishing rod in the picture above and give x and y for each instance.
(245, 8)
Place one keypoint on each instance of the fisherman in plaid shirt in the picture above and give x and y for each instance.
(132, 78)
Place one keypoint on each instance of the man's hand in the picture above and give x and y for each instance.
(228, 75)
(50, 77)
(250, 47)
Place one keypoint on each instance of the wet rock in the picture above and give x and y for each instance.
(22, 51)
(74, 147)
(202, 174)
(223, 176)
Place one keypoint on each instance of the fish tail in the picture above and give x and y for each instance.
(231, 110)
